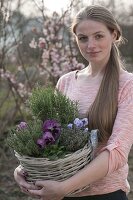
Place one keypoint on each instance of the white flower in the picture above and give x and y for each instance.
(33, 43)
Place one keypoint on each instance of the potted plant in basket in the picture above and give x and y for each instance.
(55, 144)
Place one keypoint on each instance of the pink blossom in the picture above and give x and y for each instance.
(22, 126)
(42, 43)
(33, 44)
(45, 32)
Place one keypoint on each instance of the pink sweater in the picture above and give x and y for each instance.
(121, 140)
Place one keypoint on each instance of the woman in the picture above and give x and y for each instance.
(105, 94)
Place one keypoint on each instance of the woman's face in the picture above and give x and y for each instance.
(94, 41)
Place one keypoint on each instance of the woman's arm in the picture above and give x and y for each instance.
(95, 170)
(55, 190)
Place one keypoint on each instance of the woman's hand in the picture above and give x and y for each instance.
(49, 190)
(20, 178)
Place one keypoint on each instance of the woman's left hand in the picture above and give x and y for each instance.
(49, 190)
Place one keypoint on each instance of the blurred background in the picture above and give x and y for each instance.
(37, 47)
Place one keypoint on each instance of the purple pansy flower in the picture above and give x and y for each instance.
(78, 123)
(41, 143)
(48, 138)
(70, 126)
(52, 126)
(85, 121)
(22, 125)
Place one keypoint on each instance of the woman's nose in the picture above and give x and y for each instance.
(91, 44)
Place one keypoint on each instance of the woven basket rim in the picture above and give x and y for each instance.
(86, 147)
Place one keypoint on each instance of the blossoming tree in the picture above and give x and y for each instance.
(59, 52)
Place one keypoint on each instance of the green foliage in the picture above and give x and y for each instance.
(24, 140)
(73, 139)
(54, 152)
(45, 104)
(48, 103)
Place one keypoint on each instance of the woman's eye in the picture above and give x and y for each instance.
(83, 39)
(99, 36)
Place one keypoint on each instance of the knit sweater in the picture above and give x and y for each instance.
(121, 139)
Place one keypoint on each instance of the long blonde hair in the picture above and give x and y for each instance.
(102, 112)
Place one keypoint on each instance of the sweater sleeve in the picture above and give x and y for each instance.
(64, 82)
(121, 140)
(60, 84)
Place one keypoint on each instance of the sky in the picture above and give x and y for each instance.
(62, 3)
(58, 5)
(29, 7)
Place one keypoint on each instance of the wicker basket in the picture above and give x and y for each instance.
(58, 170)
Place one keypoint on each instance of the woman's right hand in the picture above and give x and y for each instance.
(20, 178)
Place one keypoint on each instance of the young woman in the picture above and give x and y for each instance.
(105, 94)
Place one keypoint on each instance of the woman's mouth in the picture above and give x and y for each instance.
(93, 53)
